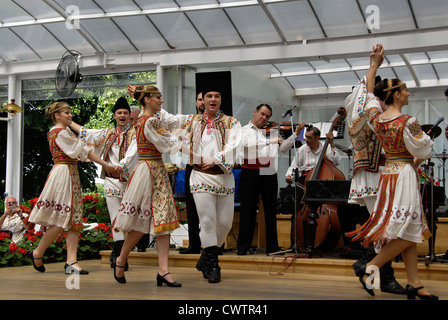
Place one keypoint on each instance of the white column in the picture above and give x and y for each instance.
(180, 88)
(161, 79)
(14, 148)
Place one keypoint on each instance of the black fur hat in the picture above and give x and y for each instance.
(122, 103)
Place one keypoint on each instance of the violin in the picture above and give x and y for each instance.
(328, 232)
(283, 126)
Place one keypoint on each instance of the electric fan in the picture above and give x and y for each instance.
(67, 73)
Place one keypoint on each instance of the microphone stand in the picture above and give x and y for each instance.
(293, 248)
(431, 241)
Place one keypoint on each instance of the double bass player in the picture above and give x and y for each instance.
(307, 157)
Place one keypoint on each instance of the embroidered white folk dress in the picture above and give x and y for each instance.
(398, 209)
(148, 203)
(60, 202)
(367, 172)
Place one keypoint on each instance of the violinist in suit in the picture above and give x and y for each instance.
(259, 178)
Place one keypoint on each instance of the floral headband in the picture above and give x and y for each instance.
(55, 107)
(390, 87)
(150, 91)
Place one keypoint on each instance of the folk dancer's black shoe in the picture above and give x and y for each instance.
(119, 279)
(69, 269)
(360, 271)
(413, 292)
(40, 268)
(161, 280)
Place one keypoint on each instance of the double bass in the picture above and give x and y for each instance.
(317, 223)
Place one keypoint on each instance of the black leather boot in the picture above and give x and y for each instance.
(201, 265)
(213, 269)
(388, 283)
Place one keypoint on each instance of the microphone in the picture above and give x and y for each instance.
(290, 112)
(436, 124)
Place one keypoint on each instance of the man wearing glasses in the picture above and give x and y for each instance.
(13, 221)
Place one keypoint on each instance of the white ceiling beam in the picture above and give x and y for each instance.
(312, 50)
(344, 90)
(354, 69)
(273, 21)
(239, 56)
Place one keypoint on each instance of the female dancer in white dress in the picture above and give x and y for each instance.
(148, 203)
(60, 203)
(397, 222)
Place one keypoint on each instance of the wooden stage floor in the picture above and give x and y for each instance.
(244, 278)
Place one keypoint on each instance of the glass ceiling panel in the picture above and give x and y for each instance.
(438, 54)
(332, 64)
(394, 15)
(394, 58)
(70, 38)
(11, 12)
(85, 6)
(155, 4)
(117, 6)
(339, 18)
(340, 79)
(185, 3)
(442, 70)
(38, 9)
(253, 24)
(297, 20)
(307, 82)
(108, 35)
(142, 33)
(432, 13)
(206, 23)
(358, 62)
(294, 67)
(382, 72)
(416, 57)
(21, 50)
(40, 40)
(177, 30)
(404, 75)
(425, 72)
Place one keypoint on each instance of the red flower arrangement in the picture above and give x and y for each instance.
(424, 177)
(4, 235)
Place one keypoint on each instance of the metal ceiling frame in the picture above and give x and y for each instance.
(283, 51)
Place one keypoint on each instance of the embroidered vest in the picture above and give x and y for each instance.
(111, 135)
(145, 149)
(58, 155)
(390, 133)
(198, 124)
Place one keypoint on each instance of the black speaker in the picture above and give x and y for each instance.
(224, 80)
